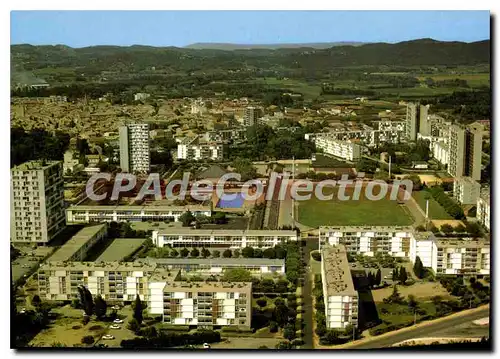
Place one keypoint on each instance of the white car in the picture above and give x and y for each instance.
(114, 326)
(115, 307)
(206, 346)
(118, 321)
(108, 337)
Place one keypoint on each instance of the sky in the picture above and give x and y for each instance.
(181, 28)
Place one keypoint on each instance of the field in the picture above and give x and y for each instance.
(473, 80)
(435, 209)
(421, 290)
(310, 91)
(385, 212)
(120, 248)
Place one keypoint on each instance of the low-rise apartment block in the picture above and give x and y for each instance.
(369, 240)
(36, 202)
(466, 190)
(222, 238)
(196, 149)
(341, 299)
(344, 149)
(206, 305)
(77, 247)
(146, 213)
(483, 208)
(216, 266)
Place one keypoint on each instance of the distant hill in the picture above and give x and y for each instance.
(95, 59)
(229, 47)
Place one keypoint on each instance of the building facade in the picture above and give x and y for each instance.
(36, 202)
(194, 149)
(465, 146)
(251, 115)
(341, 299)
(134, 148)
(411, 121)
(101, 214)
(466, 190)
(184, 237)
(369, 241)
(344, 149)
(483, 208)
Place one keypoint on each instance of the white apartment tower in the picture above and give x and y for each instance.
(36, 202)
(134, 148)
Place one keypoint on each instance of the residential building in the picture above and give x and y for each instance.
(341, 299)
(252, 114)
(369, 240)
(219, 265)
(36, 202)
(193, 148)
(453, 256)
(134, 148)
(466, 190)
(204, 304)
(198, 107)
(230, 134)
(141, 96)
(465, 147)
(221, 238)
(440, 151)
(389, 131)
(344, 149)
(483, 208)
(424, 126)
(115, 282)
(143, 213)
(77, 248)
(412, 120)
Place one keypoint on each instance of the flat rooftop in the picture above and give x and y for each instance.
(93, 266)
(463, 243)
(34, 165)
(120, 248)
(224, 232)
(76, 242)
(366, 228)
(216, 261)
(139, 208)
(337, 271)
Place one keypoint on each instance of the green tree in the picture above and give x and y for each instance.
(237, 275)
(195, 253)
(100, 307)
(289, 332)
(88, 339)
(261, 302)
(219, 218)
(418, 268)
(446, 228)
(227, 253)
(412, 302)
(395, 274)
(36, 301)
(403, 276)
(86, 300)
(273, 326)
(378, 277)
(134, 325)
(184, 252)
(395, 297)
(205, 253)
(174, 253)
(138, 310)
(187, 218)
(247, 252)
(269, 253)
(236, 253)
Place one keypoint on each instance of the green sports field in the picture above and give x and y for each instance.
(435, 209)
(384, 212)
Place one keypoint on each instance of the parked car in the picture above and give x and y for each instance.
(115, 307)
(118, 321)
(206, 346)
(114, 326)
(108, 337)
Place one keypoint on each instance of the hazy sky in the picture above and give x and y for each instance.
(180, 28)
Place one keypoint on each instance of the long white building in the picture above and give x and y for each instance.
(404, 242)
(466, 190)
(118, 213)
(134, 148)
(369, 240)
(344, 149)
(194, 149)
(221, 238)
(36, 202)
(341, 299)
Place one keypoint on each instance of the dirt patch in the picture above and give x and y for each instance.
(452, 222)
(422, 291)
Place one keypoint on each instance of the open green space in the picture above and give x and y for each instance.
(334, 212)
(310, 91)
(120, 248)
(436, 211)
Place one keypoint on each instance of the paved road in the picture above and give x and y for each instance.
(420, 331)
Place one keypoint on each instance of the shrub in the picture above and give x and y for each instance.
(88, 339)
(95, 327)
(261, 302)
(316, 256)
(76, 327)
(273, 327)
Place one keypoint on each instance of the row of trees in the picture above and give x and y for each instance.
(172, 339)
(188, 218)
(450, 205)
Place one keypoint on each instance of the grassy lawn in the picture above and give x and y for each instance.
(421, 290)
(120, 248)
(315, 266)
(385, 212)
(472, 79)
(310, 91)
(400, 313)
(435, 209)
